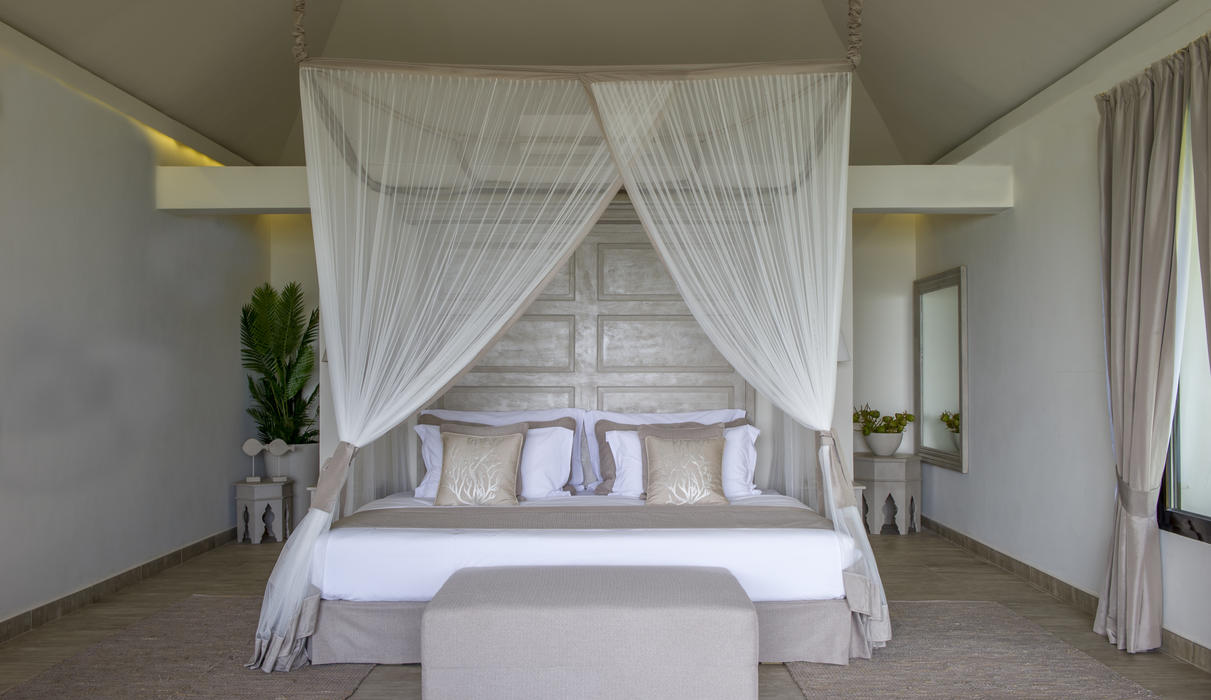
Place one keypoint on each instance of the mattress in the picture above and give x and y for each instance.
(387, 553)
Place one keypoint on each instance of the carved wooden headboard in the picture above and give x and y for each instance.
(609, 332)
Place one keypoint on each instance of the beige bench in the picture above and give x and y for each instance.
(589, 633)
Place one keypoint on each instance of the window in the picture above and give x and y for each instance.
(1185, 504)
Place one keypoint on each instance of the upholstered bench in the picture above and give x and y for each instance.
(589, 633)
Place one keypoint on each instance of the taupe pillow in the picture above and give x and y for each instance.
(683, 466)
(569, 422)
(479, 430)
(479, 470)
(609, 468)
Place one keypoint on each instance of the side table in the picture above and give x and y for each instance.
(263, 509)
(896, 479)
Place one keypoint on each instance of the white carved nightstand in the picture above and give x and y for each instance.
(893, 490)
(262, 509)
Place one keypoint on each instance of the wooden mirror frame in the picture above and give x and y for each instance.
(955, 277)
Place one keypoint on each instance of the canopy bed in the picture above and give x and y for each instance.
(443, 199)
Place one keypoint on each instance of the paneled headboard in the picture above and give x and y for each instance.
(609, 332)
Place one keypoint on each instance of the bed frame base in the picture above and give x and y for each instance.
(389, 633)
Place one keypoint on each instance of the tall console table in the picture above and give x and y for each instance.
(893, 491)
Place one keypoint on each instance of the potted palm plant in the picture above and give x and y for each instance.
(278, 347)
(883, 434)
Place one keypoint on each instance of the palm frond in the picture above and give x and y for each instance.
(277, 343)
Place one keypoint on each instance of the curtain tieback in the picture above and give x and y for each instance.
(842, 487)
(332, 477)
(1139, 503)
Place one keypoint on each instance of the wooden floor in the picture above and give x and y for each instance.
(916, 567)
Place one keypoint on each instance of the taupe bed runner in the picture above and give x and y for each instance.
(588, 518)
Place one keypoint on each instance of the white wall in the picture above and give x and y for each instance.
(1041, 482)
(885, 265)
(292, 254)
(122, 401)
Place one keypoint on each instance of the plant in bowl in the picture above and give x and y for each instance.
(883, 433)
(954, 424)
(278, 346)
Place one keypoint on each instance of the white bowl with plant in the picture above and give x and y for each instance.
(954, 424)
(882, 433)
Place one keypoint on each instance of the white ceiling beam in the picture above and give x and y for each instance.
(232, 190)
(924, 189)
(931, 189)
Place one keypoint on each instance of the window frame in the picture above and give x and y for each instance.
(1171, 519)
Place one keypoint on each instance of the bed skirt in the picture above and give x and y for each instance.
(389, 633)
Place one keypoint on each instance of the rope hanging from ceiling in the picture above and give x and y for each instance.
(853, 51)
(300, 34)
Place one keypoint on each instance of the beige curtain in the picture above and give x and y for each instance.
(1139, 152)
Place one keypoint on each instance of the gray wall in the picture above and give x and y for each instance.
(885, 253)
(121, 395)
(1041, 483)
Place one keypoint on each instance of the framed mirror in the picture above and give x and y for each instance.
(940, 376)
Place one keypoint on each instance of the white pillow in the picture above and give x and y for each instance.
(545, 460)
(511, 417)
(720, 415)
(739, 462)
(628, 463)
(431, 455)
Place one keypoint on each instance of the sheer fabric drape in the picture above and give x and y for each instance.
(383, 468)
(741, 184)
(440, 204)
(442, 198)
(1138, 154)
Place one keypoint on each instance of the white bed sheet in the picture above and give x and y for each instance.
(374, 564)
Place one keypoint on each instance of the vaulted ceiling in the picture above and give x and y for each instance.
(933, 73)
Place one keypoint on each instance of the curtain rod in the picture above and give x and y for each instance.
(853, 55)
(1178, 55)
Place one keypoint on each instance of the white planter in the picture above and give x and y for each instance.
(884, 444)
(302, 464)
(958, 441)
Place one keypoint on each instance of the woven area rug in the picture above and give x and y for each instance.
(194, 649)
(944, 649)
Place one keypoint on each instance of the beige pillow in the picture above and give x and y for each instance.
(479, 470)
(567, 422)
(488, 431)
(683, 466)
(609, 468)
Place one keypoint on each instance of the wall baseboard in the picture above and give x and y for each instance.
(1172, 644)
(28, 620)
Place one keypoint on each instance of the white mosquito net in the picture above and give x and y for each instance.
(443, 197)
